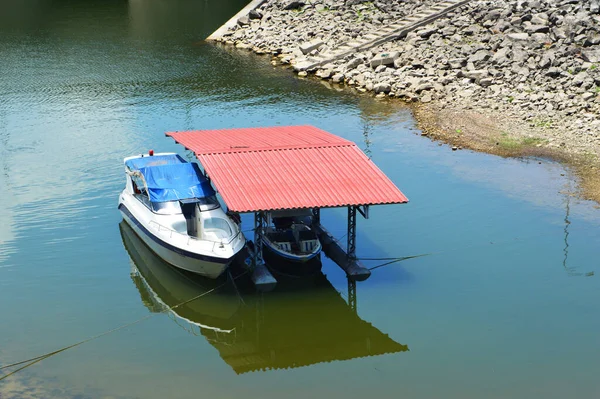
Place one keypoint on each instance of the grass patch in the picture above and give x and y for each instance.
(533, 141)
(516, 146)
(542, 122)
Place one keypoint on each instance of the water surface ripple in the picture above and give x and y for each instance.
(505, 304)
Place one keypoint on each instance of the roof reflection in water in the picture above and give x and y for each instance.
(293, 326)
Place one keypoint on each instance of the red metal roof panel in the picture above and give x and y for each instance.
(288, 167)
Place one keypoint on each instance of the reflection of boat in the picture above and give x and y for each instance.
(298, 327)
(162, 287)
(171, 205)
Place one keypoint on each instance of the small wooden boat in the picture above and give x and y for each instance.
(288, 235)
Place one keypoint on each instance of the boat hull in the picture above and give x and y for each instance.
(282, 264)
(207, 266)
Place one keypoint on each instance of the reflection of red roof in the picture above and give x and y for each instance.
(287, 167)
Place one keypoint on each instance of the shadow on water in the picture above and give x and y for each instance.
(296, 325)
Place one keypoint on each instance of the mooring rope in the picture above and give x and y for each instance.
(37, 359)
(392, 260)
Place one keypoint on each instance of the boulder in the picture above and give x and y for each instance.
(382, 88)
(308, 47)
(501, 56)
(457, 63)
(518, 36)
(255, 14)
(353, 63)
(384, 59)
(243, 21)
(292, 4)
(554, 72)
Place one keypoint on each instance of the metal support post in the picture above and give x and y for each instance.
(351, 232)
(316, 219)
(352, 294)
(258, 230)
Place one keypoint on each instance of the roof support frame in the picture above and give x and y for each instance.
(363, 210)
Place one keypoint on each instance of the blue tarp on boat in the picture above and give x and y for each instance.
(153, 160)
(171, 182)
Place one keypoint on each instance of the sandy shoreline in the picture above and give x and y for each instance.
(510, 78)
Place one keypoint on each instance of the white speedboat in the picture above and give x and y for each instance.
(288, 235)
(171, 205)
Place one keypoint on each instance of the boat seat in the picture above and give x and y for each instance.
(284, 245)
(280, 236)
(308, 245)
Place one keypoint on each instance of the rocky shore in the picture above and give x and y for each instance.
(499, 74)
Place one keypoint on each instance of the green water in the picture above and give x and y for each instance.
(506, 304)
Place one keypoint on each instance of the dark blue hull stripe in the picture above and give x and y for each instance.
(172, 248)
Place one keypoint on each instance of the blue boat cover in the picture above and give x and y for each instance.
(153, 160)
(171, 182)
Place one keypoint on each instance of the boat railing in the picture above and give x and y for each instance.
(190, 239)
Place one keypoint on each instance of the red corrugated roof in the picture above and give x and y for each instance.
(287, 167)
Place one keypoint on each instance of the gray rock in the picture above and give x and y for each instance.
(384, 59)
(382, 88)
(243, 21)
(547, 59)
(337, 78)
(592, 39)
(579, 78)
(519, 56)
(324, 73)
(308, 47)
(457, 63)
(293, 4)
(255, 14)
(591, 55)
(479, 57)
(476, 75)
(427, 32)
(537, 29)
(559, 33)
(501, 57)
(353, 63)
(554, 72)
(486, 82)
(518, 36)
(423, 87)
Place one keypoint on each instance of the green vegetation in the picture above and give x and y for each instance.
(514, 144)
(542, 122)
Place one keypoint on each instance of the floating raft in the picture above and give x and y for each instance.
(293, 167)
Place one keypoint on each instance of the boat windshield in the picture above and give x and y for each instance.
(173, 207)
(216, 227)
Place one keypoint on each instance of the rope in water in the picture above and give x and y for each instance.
(392, 260)
(37, 359)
